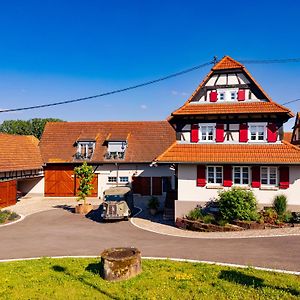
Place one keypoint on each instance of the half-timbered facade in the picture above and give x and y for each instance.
(230, 133)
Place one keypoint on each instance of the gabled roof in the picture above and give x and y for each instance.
(228, 63)
(281, 153)
(145, 140)
(19, 152)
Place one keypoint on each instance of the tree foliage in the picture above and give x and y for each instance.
(30, 127)
(85, 174)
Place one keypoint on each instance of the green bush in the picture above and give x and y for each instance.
(195, 214)
(279, 204)
(6, 215)
(237, 204)
(208, 219)
(270, 215)
(153, 203)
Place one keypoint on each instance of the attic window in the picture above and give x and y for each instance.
(116, 149)
(85, 150)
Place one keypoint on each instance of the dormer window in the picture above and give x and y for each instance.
(85, 149)
(116, 149)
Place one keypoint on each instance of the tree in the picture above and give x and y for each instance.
(85, 174)
(31, 127)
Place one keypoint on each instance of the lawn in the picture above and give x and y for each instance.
(72, 278)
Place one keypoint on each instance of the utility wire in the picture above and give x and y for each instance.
(111, 92)
(214, 61)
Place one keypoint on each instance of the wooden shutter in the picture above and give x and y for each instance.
(201, 178)
(241, 95)
(194, 133)
(213, 96)
(255, 177)
(243, 133)
(227, 176)
(220, 133)
(284, 178)
(272, 133)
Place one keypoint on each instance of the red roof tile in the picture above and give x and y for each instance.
(227, 63)
(283, 153)
(19, 152)
(146, 140)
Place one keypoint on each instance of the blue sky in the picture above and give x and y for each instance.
(57, 50)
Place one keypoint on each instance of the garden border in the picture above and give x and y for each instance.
(22, 217)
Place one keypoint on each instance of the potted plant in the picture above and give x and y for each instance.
(153, 205)
(85, 175)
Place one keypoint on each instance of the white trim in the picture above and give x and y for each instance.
(265, 132)
(268, 185)
(214, 184)
(241, 178)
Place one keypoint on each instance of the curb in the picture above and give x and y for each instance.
(22, 217)
(209, 237)
(163, 258)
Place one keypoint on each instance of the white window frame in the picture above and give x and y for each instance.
(241, 175)
(201, 125)
(86, 146)
(264, 124)
(126, 180)
(268, 176)
(215, 175)
(219, 95)
(227, 94)
(109, 179)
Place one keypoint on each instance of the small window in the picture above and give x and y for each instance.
(257, 132)
(222, 96)
(215, 175)
(207, 132)
(85, 150)
(269, 176)
(233, 95)
(123, 179)
(241, 175)
(112, 179)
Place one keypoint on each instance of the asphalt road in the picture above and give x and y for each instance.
(60, 232)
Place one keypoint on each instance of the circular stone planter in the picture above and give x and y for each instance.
(83, 209)
(120, 263)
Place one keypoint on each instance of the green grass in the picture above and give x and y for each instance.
(79, 279)
(7, 216)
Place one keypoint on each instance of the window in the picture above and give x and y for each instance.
(116, 149)
(233, 95)
(257, 132)
(207, 132)
(123, 179)
(112, 179)
(268, 175)
(241, 175)
(215, 175)
(222, 96)
(85, 150)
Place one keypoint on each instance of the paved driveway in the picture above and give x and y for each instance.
(59, 232)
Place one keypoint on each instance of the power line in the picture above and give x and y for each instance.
(111, 92)
(214, 61)
(291, 101)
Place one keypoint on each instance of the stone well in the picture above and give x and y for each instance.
(120, 263)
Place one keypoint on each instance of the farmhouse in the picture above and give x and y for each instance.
(20, 167)
(121, 153)
(230, 133)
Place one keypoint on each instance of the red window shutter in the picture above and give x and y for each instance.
(272, 133)
(194, 133)
(241, 95)
(284, 178)
(227, 180)
(256, 177)
(220, 133)
(243, 133)
(201, 178)
(213, 96)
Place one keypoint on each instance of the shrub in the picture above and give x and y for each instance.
(237, 204)
(208, 219)
(153, 203)
(6, 215)
(195, 214)
(279, 204)
(270, 215)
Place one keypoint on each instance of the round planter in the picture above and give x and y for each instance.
(120, 263)
(83, 209)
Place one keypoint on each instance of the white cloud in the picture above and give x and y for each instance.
(174, 92)
(143, 106)
(184, 94)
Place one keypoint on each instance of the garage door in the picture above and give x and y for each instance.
(141, 185)
(60, 182)
(8, 193)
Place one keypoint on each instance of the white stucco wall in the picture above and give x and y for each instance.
(188, 191)
(130, 170)
(31, 186)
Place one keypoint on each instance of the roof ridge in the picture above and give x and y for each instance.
(223, 61)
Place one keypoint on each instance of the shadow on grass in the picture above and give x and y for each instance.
(64, 270)
(252, 281)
